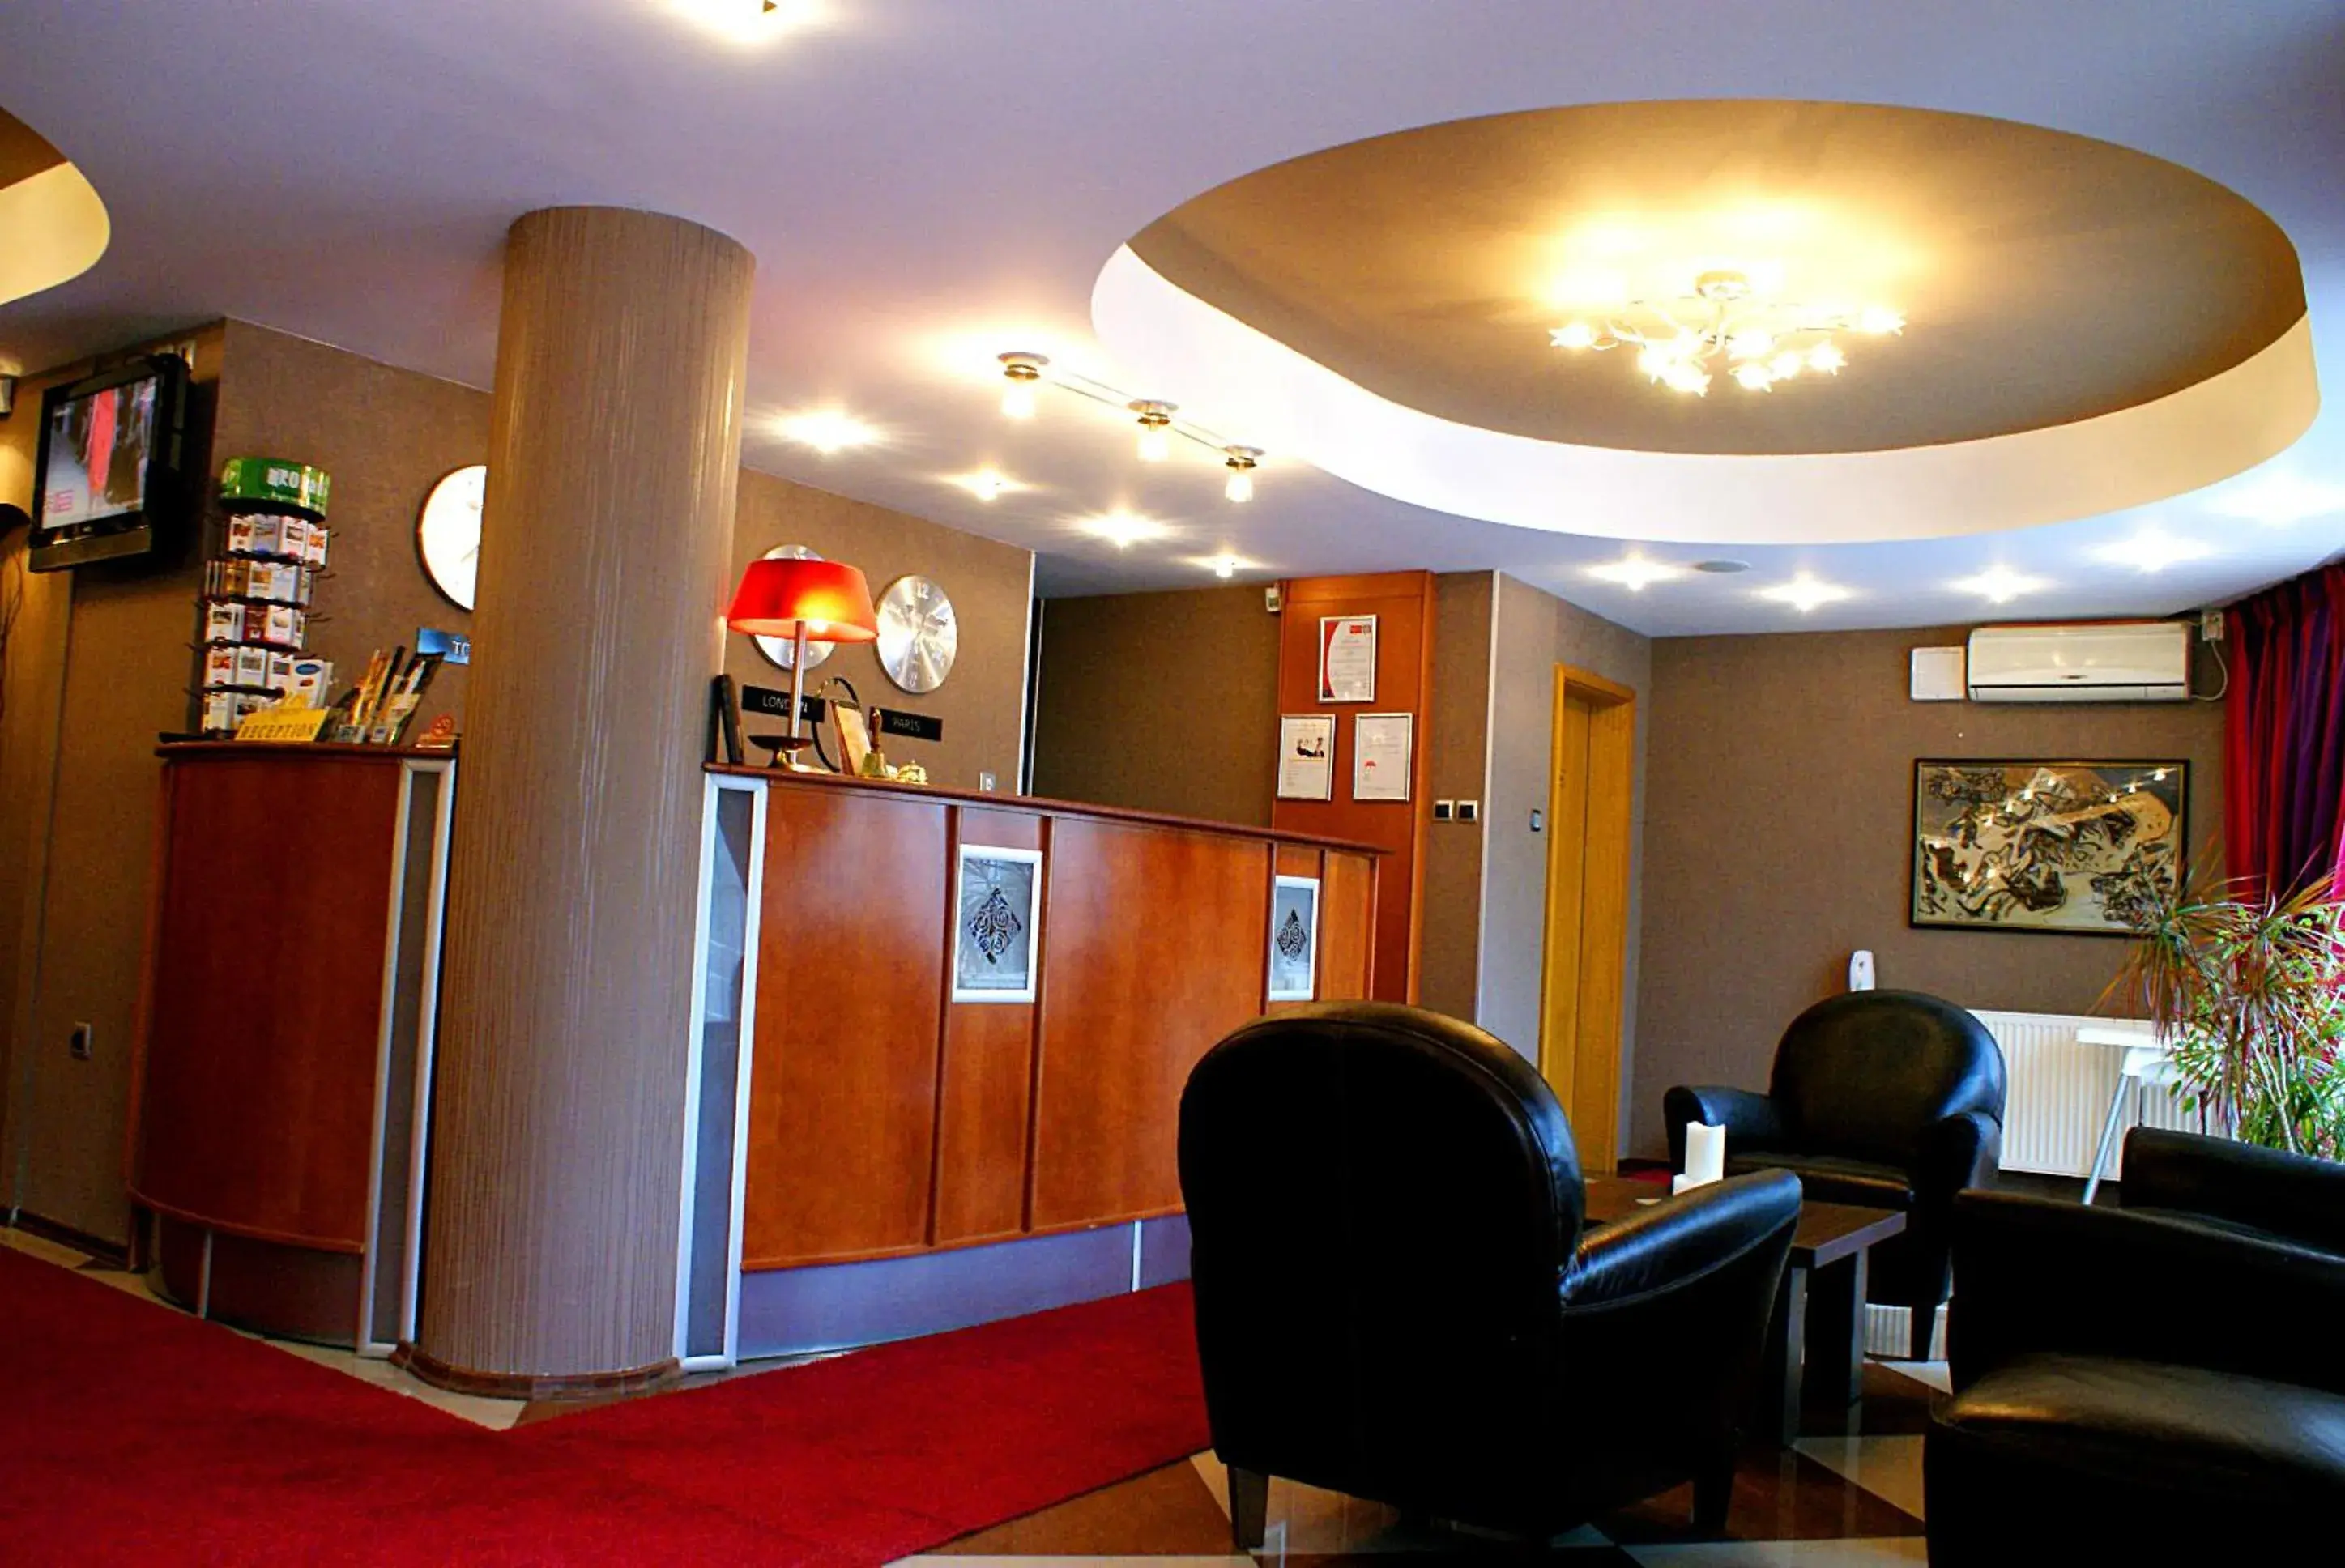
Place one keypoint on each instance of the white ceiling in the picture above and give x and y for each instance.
(926, 183)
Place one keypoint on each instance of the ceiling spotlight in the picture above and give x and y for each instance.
(1634, 572)
(1155, 420)
(2000, 584)
(1023, 372)
(1241, 461)
(1122, 529)
(1804, 592)
(827, 430)
(986, 484)
(1726, 323)
(2150, 550)
(1223, 566)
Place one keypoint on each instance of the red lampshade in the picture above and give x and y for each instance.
(830, 596)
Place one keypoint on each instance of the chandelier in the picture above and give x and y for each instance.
(1724, 327)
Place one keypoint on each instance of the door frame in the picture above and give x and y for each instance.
(1584, 957)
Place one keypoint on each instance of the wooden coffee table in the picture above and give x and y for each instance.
(1814, 1354)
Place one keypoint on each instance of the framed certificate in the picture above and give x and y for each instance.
(1307, 756)
(1347, 658)
(1382, 744)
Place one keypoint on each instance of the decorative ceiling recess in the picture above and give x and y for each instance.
(1959, 324)
(55, 226)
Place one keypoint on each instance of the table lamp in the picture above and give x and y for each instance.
(823, 600)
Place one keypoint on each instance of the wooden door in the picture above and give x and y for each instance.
(1590, 782)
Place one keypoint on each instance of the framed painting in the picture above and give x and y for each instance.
(2077, 848)
(1293, 939)
(993, 926)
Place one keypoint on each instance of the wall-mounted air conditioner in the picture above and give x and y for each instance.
(2090, 661)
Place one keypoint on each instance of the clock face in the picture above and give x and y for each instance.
(919, 637)
(448, 534)
(780, 649)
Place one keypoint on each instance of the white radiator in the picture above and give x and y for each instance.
(2060, 1095)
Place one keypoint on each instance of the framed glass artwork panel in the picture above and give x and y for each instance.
(994, 896)
(2072, 847)
(1293, 939)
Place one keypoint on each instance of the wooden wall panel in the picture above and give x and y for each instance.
(1403, 604)
(1154, 950)
(1347, 917)
(986, 1084)
(256, 1108)
(843, 1086)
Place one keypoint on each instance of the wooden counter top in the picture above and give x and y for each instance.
(170, 751)
(1036, 805)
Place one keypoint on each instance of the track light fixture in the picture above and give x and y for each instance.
(1241, 461)
(1155, 418)
(1023, 372)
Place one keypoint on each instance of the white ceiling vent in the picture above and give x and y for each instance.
(2090, 661)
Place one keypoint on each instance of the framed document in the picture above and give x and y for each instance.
(1381, 748)
(1347, 658)
(993, 924)
(1307, 756)
(853, 734)
(1293, 939)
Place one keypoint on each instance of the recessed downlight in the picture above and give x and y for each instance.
(987, 484)
(827, 430)
(2152, 550)
(2000, 584)
(1635, 571)
(1805, 592)
(1122, 529)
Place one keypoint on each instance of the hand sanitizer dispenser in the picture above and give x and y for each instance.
(1860, 970)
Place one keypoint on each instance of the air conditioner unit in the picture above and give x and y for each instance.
(2091, 662)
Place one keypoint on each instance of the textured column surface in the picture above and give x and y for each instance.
(558, 1133)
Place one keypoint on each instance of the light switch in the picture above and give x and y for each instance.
(1539, 820)
(1444, 809)
(1469, 811)
(985, 783)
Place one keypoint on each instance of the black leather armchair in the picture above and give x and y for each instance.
(2139, 1386)
(1889, 1100)
(1395, 1301)
(2220, 1185)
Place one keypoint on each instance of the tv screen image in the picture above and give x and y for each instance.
(97, 454)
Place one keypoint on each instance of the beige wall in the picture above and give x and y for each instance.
(1781, 803)
(107, 648)
(1161, 702)
(1448, 968)
(100, 666)
(1534, 632)
(982, 701)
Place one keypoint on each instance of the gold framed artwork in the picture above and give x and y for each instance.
(853, 735)
(2078, 848)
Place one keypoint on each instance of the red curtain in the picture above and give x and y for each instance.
(2284, 736)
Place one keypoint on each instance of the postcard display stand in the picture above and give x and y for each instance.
(269, 552)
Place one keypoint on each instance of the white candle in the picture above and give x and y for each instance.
(1705, 1158)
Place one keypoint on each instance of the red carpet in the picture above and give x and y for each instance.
(128, 1432)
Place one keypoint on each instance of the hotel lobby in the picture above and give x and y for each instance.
(852, 781)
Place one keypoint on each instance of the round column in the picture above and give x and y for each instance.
(558, 1130)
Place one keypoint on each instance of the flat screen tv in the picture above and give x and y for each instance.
(108, 477)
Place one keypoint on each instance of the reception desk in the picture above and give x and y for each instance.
(282, 1085)
(911, 1154)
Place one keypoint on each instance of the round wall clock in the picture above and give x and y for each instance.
(448, 533)
(917, 634)
(779, 649)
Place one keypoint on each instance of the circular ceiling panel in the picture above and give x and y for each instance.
(2067, 326)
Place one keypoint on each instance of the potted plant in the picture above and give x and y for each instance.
(2250, 993)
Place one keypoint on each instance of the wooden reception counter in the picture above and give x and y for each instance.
(1001, 1153)
(282, 1078)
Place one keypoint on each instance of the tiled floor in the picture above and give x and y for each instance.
(1851, 1501)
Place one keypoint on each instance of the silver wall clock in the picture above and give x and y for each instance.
(448, 533)
(917, 634)
(779, 649)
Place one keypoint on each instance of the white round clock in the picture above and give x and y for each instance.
(448, 533)
(919, 637)
(779, 649)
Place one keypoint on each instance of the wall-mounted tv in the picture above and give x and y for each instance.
(107, 475)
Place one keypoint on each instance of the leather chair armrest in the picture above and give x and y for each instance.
(2297, 1199)
(1957, 1152)
(1680, 1238)
(2038, 1275)
(1748, 1118)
